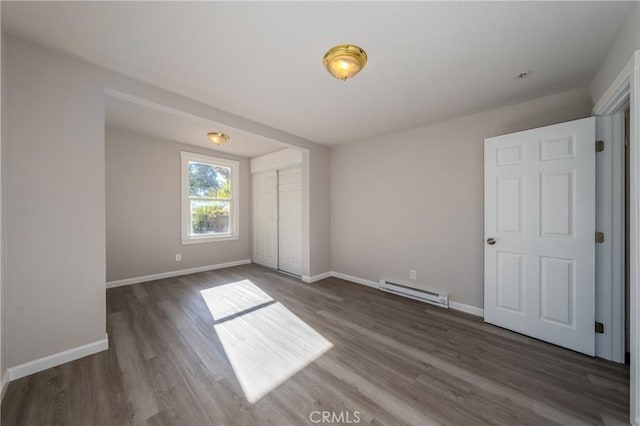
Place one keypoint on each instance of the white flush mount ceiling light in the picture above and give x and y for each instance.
(218, 138)
(344, 61)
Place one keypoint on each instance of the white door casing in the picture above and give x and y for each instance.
(610, 254)
(265, 218)
(290, 220)
(540, 210)
(625, 87)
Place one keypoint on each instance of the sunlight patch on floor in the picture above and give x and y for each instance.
(264, 341)
(232, 299)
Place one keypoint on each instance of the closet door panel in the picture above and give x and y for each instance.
(265, 218)
(290, 220)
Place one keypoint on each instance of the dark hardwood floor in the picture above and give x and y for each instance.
(246, 345)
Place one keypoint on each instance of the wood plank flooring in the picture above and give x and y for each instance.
(249, 346)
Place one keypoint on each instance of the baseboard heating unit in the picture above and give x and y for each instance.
(433, 297)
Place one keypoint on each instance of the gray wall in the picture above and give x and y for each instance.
(414, 199)
(53, 185)
(319, 212)
(143, 208)
(627, 42)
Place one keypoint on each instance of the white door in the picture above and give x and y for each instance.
(290, 220)
(265, 218)
(540, 233)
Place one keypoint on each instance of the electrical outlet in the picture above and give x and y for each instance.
(178, 257)
(412, 275)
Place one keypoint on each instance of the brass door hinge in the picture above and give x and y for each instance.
(599, 327)
(599, 146)
(599, 237)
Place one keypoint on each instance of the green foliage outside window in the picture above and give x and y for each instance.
(206, 219)
(207, 181)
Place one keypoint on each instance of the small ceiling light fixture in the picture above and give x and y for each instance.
(344, 61)
(218, 138)
(522, 75)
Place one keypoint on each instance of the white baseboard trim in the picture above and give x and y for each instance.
(54, 360)
(452, 305)
(356, 280)
(170, 274)
(315, 278)
(466, 308)
(4, 382)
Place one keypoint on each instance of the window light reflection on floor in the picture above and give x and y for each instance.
(264, 341)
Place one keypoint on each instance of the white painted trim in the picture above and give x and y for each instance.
(618, 91)
(613, 98)
(473, 310)
(178, 273)
(610, 259)
(356, 280)
(54, 360)
(452, 305)
(4, 382)
(205, 240)
(315, 278)
(634, 240)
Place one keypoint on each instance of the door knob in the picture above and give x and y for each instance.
(491, 241)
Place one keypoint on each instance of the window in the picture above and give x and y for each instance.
(209, 199)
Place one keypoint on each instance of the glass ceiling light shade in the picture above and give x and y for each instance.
(218, 138)
(344, 61)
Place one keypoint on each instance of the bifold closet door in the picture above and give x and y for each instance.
(290, 220)
(265, 219)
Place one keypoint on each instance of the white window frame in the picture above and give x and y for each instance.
(233, 234)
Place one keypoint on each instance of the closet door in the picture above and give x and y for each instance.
(265, 218)
(290, 220)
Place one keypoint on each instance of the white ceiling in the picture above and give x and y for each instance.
(173, 125)
(263, 61)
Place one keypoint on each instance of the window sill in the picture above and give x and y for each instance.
(205, 240)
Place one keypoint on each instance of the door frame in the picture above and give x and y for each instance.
(626, 86)
(610, 254)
